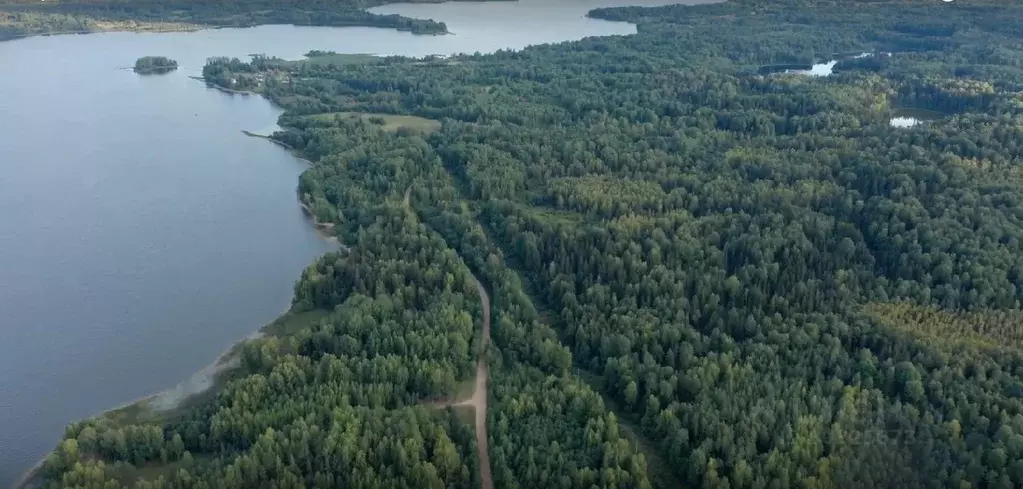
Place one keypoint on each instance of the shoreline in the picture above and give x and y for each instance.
(224, 89)
(325, 230)
(168, 28)
(159, 70)
(272, 140)
(205, 379)
(141, 27)
(199, 382)
(197, 28)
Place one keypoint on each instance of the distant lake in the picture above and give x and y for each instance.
(141, 233)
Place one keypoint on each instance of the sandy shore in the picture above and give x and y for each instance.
(199, 382)
(167, 400)
(206, 378)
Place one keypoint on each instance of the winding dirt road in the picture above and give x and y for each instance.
(478, 401)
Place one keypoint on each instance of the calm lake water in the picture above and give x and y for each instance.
(141, 233)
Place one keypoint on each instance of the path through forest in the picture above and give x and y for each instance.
(478, 400)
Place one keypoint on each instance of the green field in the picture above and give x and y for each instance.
(337, 59)
(387, 122)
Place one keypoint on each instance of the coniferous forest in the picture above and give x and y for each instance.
(701, 273)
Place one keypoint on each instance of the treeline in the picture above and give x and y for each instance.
(15, 24)
(19, 18)
(154, 64)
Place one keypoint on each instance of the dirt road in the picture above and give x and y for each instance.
(478, 401)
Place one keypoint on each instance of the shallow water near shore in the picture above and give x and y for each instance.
(142, 233)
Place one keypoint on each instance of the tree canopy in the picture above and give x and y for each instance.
(19, 18)
(773, 286)
(154, 64)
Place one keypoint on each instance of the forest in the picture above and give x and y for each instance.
(19, 18)
(702, 273)
(154, 64)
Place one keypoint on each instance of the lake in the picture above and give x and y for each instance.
(141, 233)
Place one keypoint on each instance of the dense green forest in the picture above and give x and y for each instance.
(19, 18)
(701, 275)
(154, 64)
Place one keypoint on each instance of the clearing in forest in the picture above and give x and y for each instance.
(990, 329)
(387, 122)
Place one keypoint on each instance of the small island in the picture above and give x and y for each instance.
(154, 65)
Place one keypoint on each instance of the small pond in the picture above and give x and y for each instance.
(907, 117)
(817, 69)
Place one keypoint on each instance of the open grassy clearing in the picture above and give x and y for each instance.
(129, 475)
(293, 322)
(986, 329)
(335, 59)
(465, 388)
(136, 413)
(465, 414)
(387, 122)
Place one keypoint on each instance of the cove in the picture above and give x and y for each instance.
(141, 233)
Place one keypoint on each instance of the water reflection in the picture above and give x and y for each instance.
(905, 121)
(817, 69)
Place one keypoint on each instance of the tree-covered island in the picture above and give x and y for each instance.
(154, 64)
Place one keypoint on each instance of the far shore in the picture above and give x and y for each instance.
(136, 27)
(100, 26)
